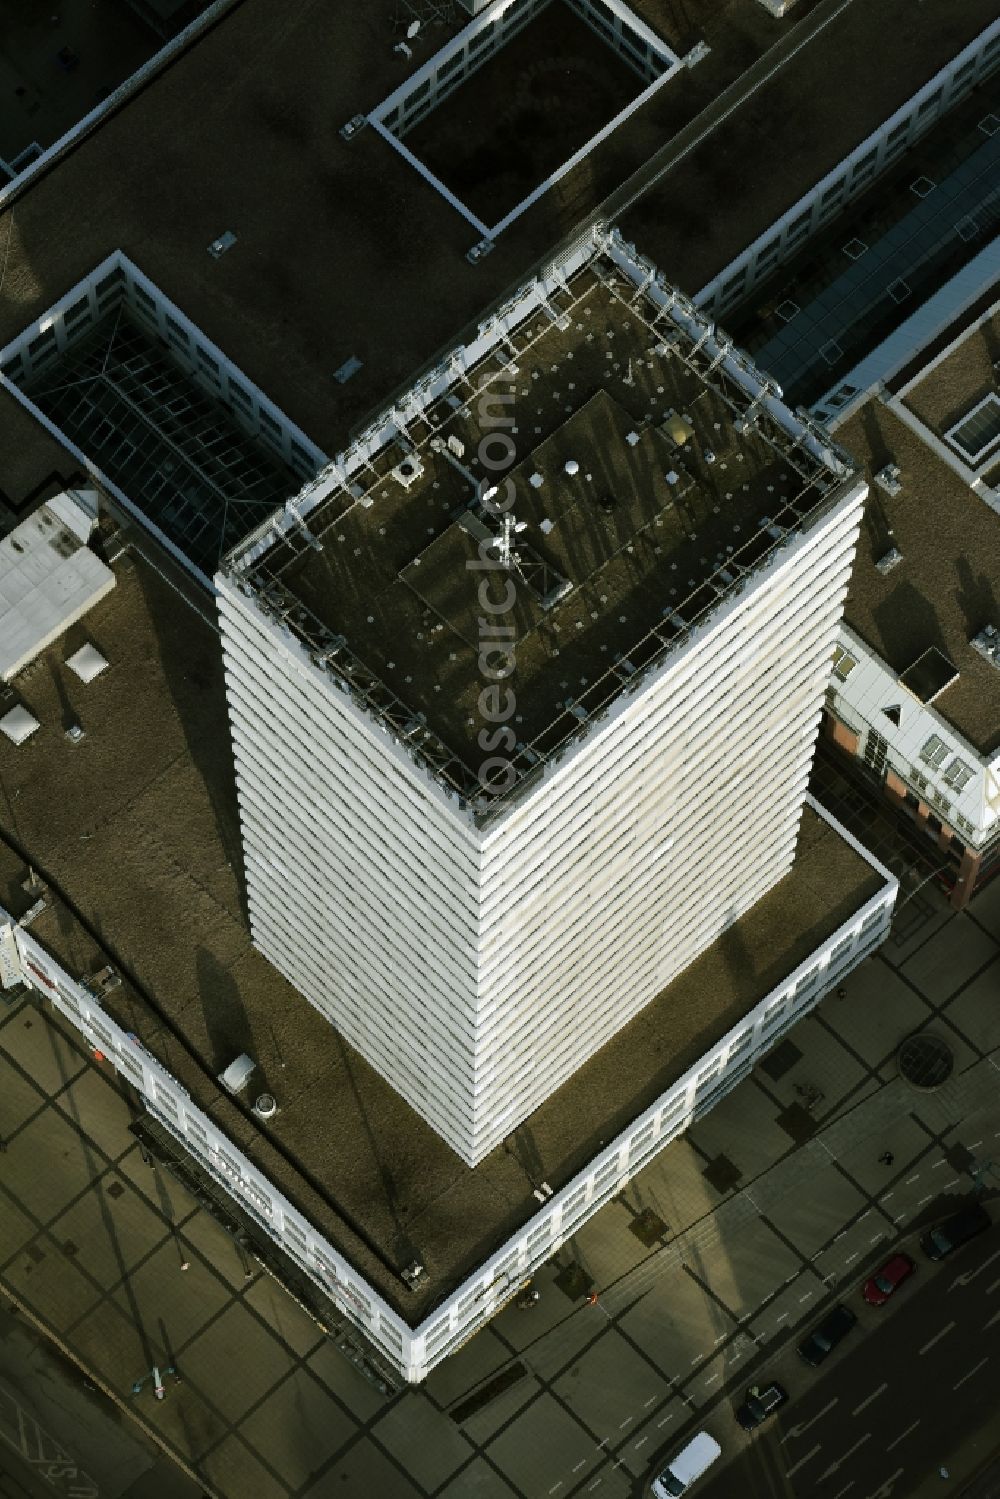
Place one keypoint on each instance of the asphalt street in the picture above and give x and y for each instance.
(914, 1382)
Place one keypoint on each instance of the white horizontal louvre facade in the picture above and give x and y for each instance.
(363, 889)
(477, 969)
(670, 824)
(415, 1351)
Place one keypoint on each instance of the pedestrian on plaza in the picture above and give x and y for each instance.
(528, 1297)
(841, 992)
(886, 1158)
(592, 1299)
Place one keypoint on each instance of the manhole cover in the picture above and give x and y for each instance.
(925, 1062)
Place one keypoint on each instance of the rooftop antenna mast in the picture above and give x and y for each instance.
(505, 541)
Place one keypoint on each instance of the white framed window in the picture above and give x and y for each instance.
(935, 752)
(843, 664)
(958, 775)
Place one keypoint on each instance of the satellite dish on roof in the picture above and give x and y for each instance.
(412, 30)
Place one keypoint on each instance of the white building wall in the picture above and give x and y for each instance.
(860, 701)
(415, 1351)
(477, 969)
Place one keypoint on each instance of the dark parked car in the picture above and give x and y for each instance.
(955, 1231)
(824, 1338)
(761, 1401)
(880, 1286)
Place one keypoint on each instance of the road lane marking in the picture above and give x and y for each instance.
(625, 1422)
(845, 1490)
(800, 1428)
(666, 1419)
(851, 1257)
(937, 1337)
(651, 1401)
(795, 1468)
(936, 1167)
(971, 1275)
(994, 1318)
(556, 1486)
(991, 1288)
(925, 1199)
(839, 1462)
(639, 1443)
(885, 1489)
(874, 1396)
(580, 1465)
(911, 1179)
(901, 1436)
(969, 1375)
(974, 1144)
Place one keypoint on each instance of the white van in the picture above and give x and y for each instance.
(689, 1464)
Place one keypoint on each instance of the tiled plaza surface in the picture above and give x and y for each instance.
(704, 1265)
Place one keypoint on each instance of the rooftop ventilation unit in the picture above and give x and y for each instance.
(408, 472)
(237, 1074)
(265, 1106)
(414, 1275)
(888, 479)
(987, 643)
(890, 559)
(87, 663)
(18, 725)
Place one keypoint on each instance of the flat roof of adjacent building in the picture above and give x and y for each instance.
(136, 828)
(362, 258)
(666, 510)
(792, 128)
(947, 586)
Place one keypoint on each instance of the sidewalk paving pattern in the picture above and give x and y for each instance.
(567, 1398)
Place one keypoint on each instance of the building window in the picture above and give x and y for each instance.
(940, 800)
(935, 752)
(876, 750)
(918, 779)
(843, 664)
(958, 775)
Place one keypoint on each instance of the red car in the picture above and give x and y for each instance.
(879, 1287)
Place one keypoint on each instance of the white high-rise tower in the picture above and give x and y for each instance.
(500, 783)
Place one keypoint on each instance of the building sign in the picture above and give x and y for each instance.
(10, 959)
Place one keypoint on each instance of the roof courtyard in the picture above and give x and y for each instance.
(364, 266)
(138, 822)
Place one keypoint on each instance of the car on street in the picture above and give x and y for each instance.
(879, 1287)
(760, 1402)
(955, 1231)
(686, 1467)
(823, 1339)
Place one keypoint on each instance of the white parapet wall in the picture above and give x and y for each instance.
(415, 1351)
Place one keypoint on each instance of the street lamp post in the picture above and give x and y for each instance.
(159, 1389)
